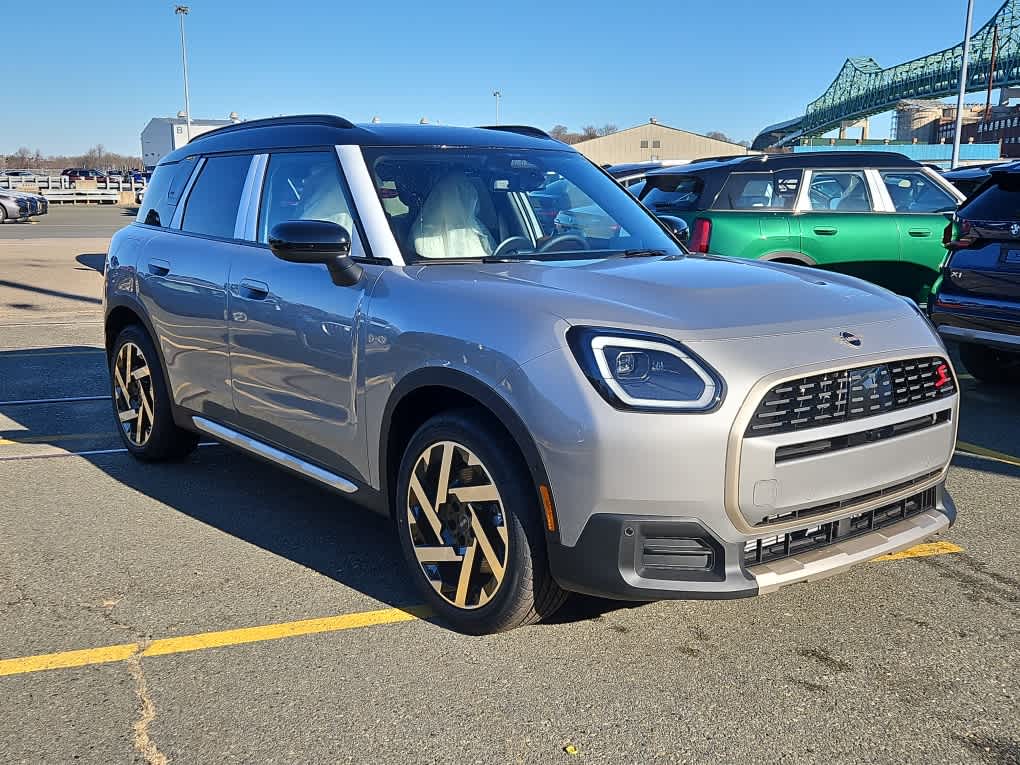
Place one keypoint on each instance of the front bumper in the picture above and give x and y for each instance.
(631, 557)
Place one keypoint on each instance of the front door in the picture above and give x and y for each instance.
(293, 333)
(840, 231)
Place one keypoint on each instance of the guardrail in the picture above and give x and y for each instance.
(83, 196)
(50, 182)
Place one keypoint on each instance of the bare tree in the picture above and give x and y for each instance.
(718, 136)
(559, 132)
(588, 132)
(608, 129)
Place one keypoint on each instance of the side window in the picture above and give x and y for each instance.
(163, 193)
(305, 185)
(915, 192)
(212, 205)
(746, 191)
(672, 193)
(840, 191)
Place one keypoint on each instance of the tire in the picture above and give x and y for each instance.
(141, 403)
(500, 528)
(990, 365)
(3, 215)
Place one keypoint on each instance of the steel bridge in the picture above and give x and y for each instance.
(863, 88)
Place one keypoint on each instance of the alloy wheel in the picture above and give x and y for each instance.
(457, 524)
(132, 383)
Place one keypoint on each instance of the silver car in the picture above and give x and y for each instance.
(381, 310)
(20, 205)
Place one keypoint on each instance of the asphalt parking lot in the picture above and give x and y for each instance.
(220, 611)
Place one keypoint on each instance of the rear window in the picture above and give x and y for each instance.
(163, 192)
(753, 191)
(669, 193)
(998, 200)
(212, 205)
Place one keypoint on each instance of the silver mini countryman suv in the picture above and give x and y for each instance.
(481, 334)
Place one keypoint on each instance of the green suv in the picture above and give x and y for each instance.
(875, 215)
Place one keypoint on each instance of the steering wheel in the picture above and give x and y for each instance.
(552, 241)
(509, 244)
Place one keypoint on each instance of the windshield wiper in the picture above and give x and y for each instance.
(642, 253)
(519, 258)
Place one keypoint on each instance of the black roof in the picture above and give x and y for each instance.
(329, 130)
(826, 159)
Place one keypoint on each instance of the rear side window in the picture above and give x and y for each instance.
(754, 191)
(163, 192)
(998, 200)
(667, 193)
(212, 205)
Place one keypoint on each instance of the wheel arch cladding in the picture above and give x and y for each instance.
(423, 394)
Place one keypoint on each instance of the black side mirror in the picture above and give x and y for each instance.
(677, 227)
(317, 241)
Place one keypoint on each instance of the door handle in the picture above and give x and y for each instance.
(825, 230)
(254, 290)
(159, 267)
(920, 232)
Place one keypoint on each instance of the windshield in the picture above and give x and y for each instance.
(465, 203)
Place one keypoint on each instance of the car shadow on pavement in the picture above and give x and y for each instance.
(93, 260)
(244, 497)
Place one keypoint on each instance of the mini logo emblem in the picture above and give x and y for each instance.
(1015, 229)
(850, 339)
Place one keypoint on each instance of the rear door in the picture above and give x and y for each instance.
(752, 216)
(919, 205)
(840, 230)
(183, 277)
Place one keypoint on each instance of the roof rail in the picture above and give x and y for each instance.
(329, 120)
(521, 129)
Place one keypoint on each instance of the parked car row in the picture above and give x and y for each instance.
(18, 205)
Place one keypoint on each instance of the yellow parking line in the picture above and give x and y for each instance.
(204, 640)
(925, 550)
(964, 448)
(15, 440)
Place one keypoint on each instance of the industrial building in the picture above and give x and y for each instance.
(652, 141)
(164, 134)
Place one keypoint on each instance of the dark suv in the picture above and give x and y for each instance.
(977, 300)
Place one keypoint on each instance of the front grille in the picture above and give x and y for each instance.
(781, 546)
(851, 394)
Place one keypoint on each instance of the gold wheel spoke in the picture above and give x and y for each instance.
(127, 416)
(460, 598)
(437, 554)
(467, 494)
(426, 507)
(444, 474)
(483, 541)
(141, 372)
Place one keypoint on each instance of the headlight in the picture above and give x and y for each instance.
(644, 372)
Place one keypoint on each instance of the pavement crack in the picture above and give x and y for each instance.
(144, 744)
(20, 598)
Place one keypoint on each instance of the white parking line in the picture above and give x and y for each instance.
(89, 453)
(29, 401)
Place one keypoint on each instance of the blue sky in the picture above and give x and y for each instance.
(729, 65)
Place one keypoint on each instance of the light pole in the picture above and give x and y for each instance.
(182, 11)
(963, 86)
(497, 94)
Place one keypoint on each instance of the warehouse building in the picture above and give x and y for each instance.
(653, 141)
(164, 134)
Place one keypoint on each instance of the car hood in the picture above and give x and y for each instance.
(692, 298)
